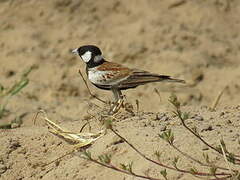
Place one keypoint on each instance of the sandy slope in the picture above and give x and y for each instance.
(197, 41)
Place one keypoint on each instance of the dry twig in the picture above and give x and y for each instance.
(94, 96)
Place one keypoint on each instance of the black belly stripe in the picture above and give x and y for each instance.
(108, 87)
(104, 87)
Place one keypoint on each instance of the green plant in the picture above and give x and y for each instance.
(212, 171)
(6, 93)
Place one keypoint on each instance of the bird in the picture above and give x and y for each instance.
(115, 77)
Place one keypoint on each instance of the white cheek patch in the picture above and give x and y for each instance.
(86, 56)
(97, 58)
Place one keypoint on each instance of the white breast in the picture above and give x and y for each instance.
(98, 77)
(103, 77)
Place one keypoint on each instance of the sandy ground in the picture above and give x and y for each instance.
(197, 41)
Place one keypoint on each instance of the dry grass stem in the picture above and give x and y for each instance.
(158, 93)
(216, 101)
(225, 159)
(79, 139)
(94, 96)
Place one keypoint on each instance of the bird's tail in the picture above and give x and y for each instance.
(169, 79)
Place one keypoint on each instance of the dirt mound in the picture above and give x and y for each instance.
(193, 40)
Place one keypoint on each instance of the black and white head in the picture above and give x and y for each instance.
(90, 54)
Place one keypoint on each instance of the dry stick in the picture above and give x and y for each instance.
(196, 160)
(215, 103)
(163, 165)
(36, 115)
(110, 166)
(83, 126)
(222, 178)
(158, 93)
(176, 4)
(94, 96)
(225, 158)
(68, 153)
(199, 137)
(213, 107)
(137, 103)
(57, 159)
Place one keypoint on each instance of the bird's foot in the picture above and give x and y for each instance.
(116, 106)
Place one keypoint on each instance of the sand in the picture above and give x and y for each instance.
(197, 41)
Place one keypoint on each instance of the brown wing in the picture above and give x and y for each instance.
(140, 77)
(124, 78)
(113, 74)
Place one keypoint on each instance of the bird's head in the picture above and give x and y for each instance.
(90, 54)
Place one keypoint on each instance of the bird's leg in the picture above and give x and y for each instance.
(117, 94)
(118, 101)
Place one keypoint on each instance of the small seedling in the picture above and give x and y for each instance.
(213, 172)
(164, 173)
(175, 161)
(106, 158)
(6, 93)
(158, 155)
(167, 136)
(127, 167)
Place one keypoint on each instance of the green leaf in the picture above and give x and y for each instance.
(193, 170)
(26, 72)
(173, 99)
(130, 165)
(108, 123)
(185, 115)
(87, 154)
(2, 109)
(106, 158)
(127, 167)
(175, 161)
(1, 88)
(123, 166)
(164, 173)
(158, 154)
(18, 87)
(231, 158)
(167, 136)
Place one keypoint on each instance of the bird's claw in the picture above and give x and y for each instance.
(116, 107)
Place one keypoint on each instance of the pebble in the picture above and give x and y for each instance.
(205, 148)
(207, 128)
(162, 117)
(163, 128)
(222, 113)
(198, 118)
(229, 122)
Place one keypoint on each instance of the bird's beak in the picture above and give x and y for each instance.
(75, 51)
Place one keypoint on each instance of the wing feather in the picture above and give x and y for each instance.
(124, 78)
